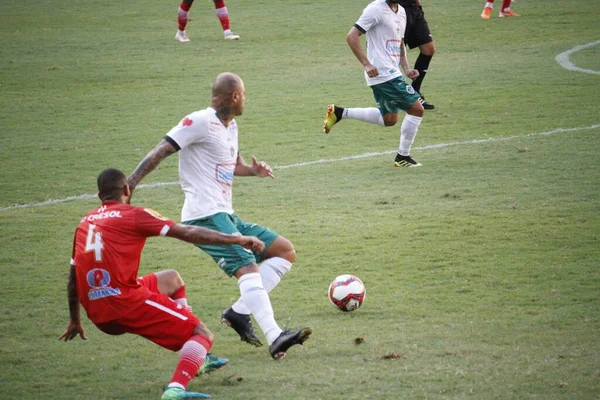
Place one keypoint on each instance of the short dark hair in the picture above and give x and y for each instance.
(111, 182)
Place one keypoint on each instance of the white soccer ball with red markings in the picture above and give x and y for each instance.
(347, 292)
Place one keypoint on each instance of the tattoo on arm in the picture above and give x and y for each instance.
(150, 162)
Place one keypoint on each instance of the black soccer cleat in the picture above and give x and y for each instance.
(405, 161)
(286, 340)
(426, 105)
(242, 325)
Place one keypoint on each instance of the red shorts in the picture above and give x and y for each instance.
(159, 319)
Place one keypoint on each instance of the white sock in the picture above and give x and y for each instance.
(271, 271)
(490, 5)
(371, 115)
(257, 300)
(408, 131)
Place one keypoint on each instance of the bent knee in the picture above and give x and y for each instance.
(202, 330)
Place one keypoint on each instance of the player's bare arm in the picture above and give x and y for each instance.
(150, 162)
(74, 327)
(199, 235)
(258, 168)
(353, 40)
(410, 73)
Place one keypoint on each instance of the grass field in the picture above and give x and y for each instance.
(482, 266)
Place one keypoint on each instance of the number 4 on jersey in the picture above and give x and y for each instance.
(94, 243)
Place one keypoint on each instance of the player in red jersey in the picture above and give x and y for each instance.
(104, 279)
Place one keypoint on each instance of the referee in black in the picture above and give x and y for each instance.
(418, 35)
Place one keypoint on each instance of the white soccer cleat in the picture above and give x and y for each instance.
(181, 36)
(232, 36)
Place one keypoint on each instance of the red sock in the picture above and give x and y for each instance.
(182, 16)
(222, 14)
(505, 4)
(179, 293)
(191, 358)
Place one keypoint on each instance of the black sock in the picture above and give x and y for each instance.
(338, 111)
(421, 65)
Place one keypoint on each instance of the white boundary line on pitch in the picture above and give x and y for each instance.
(322, 161)
(563, 59)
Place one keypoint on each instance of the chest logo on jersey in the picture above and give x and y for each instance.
(225, 174)
(394, 47)
(98, 280)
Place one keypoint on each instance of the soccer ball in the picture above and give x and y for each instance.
(347, 292)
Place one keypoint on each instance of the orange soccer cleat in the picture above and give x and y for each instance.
(508, 14)
(487, 12)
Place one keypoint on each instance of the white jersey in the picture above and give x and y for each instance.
(207, 159)
(385, 31)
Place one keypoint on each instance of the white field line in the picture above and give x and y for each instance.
(563, 59)
(322, 161)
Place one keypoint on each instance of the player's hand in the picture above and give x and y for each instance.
(261, 168)
(371, 71)
(73, 329)
(412, 74)
(252, 243)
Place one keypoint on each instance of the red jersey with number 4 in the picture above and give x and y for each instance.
(107, 248)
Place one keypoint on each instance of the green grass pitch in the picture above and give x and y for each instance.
(482, 266)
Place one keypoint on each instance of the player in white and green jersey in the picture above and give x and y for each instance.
(207, 142)
(384, 23)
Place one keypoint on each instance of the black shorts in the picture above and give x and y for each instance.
(417, 31)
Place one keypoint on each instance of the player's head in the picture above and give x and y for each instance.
(228, 90)
(112, 186)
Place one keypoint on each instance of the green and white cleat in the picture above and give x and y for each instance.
(175, 393)
(211, 364)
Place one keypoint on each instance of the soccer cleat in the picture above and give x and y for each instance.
(182, 36)
(426, 105)
(508, 14)
(487, 13)
(211, 364)
(332, 117)
(232, 36)
(175, 393)
(242, 325)
(405, 161)
(286, 340)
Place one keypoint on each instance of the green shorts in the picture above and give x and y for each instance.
(230, 258)
(394, 95)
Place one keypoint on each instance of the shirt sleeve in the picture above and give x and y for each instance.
(369, 18)
(150, 223)
(191, 129)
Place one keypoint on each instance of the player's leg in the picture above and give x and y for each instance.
(164, 322)
(229, 258)
(192, 356)
(487, 9)
(505, 11)
(223, 15)
(419, 35)
(408, 132)
(182, 20)
(167, 282)
(278, 259)
(334, 114)
(396, 95)
(256, 298)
